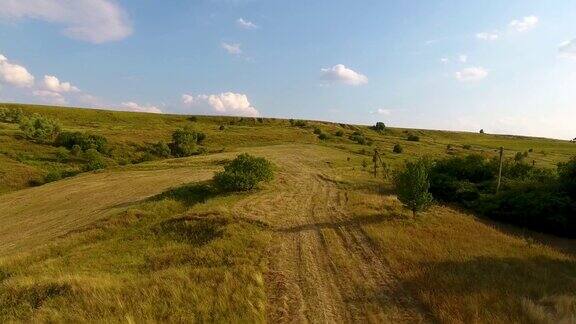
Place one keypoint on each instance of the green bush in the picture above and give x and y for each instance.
(185, 142)
(244, 173)
(397, 149)
(298, 123)
(358, 138)
(62, 154)
(379, 126)
(412, 186)
(40, 128)
(339, 133)
(160, 149)
(11, 115)
(52, 176)
(76, 150)
(94, 160)
(83, 140)
(317, 131)
(413, 138)
(323, 136)
(531, 197)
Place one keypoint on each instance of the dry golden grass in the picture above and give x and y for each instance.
(324, 242)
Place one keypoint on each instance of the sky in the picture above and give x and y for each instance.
(502, 66)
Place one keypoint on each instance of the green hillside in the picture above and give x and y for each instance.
(142, 240)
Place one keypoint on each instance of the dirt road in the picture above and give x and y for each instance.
(324, 269)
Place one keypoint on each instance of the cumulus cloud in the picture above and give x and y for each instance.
(95, 21)
(383, 112)
(341, 74)
(227, 103)
(463, 58)
(471, 74)
(232, 48)
(52, 83)
(246, 24)
(524, 24)
(568, 49)
(50, 97)
(14, 74)
(132, 106)
(445, 60)
(488, 36)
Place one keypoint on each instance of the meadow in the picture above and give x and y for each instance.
(325, 241)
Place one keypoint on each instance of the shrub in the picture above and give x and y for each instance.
(298, 123)
(40, 128)
(413, 184)
(397, 149)
(62, 154)
(323, 136)
(94, 161)
(76, 150)
(413, 138)
(160, 149)
(358, 138)
(317, 131)
(52, 176)
(482, 131)
(11, 115)
(222, 127)
(83, 140)
(339, 133)
(244, 173)
(379, 126)
(185, 142)
(466, 146)
(567, 176)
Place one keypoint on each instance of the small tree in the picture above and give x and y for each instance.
(379, 127)
(482, 131)
(40, 128)
(412, 185)
(244, 173)
(185, 142)
(397, 149)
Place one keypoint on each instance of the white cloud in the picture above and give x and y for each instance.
(132, 106)
(232, 48)
(471, 74)
(14, 74)
(445, 60)
(488, 36)
(246, 24)
(567, 49)
(341, 74)
(384, 112)
(463, 58)
(227, 103)
(52, 83)
(50, 97)
(95, 21)
(524, 24)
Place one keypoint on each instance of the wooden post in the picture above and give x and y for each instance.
(500, 169)
(375, 162)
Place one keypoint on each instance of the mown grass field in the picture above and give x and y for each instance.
(325, 241)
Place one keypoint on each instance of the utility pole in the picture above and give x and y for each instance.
(375, 161)
(500, 169)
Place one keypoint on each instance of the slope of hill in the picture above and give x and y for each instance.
(324, 242)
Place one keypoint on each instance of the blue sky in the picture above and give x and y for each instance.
(504, 66)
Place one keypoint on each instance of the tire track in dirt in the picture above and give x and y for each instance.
(323, 266)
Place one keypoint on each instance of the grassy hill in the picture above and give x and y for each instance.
(326, 241)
